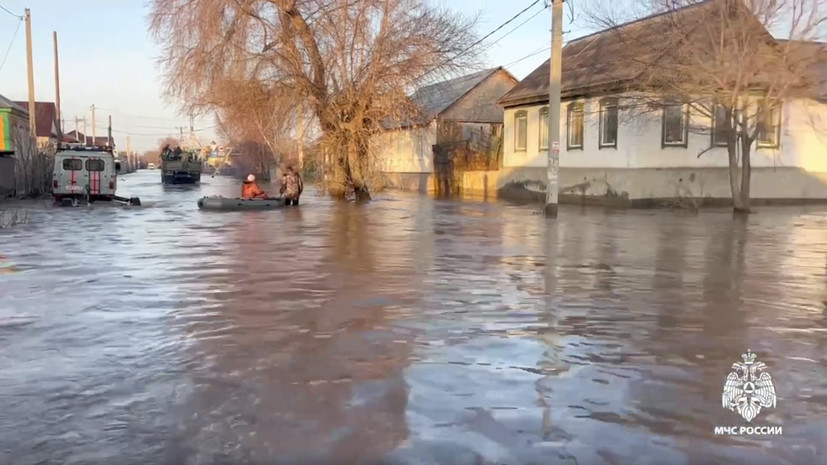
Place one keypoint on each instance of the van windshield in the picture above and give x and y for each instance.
(94, 164)
(72, 164)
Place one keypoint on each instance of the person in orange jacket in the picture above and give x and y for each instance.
(250, 190)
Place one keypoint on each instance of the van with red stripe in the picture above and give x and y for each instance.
(82, 172)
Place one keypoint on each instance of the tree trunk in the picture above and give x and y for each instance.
(355, 157)
(746, 175)
(734, 175)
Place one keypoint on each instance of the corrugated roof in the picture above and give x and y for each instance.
(436, 98)
(433, 99)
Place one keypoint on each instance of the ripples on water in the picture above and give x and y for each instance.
(404, 331)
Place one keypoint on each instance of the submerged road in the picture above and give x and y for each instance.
(405, 331)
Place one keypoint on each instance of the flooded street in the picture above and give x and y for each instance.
(405, 331)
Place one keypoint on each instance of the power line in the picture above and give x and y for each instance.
(528, 56)
(520, 25)
(9, 12)
(172, 132)
(6, 56)
(493, 32)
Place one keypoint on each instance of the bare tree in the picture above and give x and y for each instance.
(33, 166)
(719, 58)
(150, 156)
(256, 120)
(351, 62)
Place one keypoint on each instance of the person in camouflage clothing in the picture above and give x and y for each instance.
(291, 186)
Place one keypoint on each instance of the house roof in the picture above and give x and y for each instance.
(6, 103)
(45, 117)
(619, 57)
(436, 98)
(817, 69)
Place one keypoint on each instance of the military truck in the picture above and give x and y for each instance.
(179, 166)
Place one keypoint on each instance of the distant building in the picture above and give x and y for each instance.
(14, 122)
(46, 120)
(100, 141)
(456, 117)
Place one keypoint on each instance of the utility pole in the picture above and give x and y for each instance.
(555, 89)
(94, 139)
(30, 66)
(192, 132)
(77, 129)
(57, 86)
(128, 152)
(85, 137)
(109, 139)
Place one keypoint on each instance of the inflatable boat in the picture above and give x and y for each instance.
(238, 204)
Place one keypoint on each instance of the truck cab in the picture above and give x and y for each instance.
(84, 172)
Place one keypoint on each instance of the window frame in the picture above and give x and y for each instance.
(684, 143)
(543, 111)
(65, 168)
(102, 164)
(776, 133)
(713, 141)
(571, 108)
(605, 105)
(520, 115)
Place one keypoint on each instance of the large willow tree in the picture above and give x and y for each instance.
(351, 62)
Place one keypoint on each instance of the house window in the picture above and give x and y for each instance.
(520, 131)
(544, 128)
(575, 126)
(720, 126)
(608, 123)
(768, 128)
(675, 125)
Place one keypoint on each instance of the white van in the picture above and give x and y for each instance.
(80, 171)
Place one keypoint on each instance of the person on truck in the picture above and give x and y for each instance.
(250, 190)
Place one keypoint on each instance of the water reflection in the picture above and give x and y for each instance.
(407, 330)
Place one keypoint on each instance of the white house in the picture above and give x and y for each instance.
(452, 111)
(607, 156)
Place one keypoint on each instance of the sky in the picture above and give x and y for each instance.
(107, 59)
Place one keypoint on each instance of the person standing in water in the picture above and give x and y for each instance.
(291, 186)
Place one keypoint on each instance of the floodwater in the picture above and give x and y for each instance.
(405, 331)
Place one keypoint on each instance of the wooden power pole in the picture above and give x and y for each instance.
(94, 139)
(57, 88)
(30, 68)
(555, 91)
